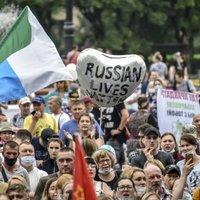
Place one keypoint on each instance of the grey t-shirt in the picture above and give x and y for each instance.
(18, 172)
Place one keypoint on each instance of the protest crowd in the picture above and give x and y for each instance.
(127, 156)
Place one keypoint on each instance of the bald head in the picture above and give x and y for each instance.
(154, 177)
(196, 122)
(151, 167)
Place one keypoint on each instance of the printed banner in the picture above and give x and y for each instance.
(175, 109)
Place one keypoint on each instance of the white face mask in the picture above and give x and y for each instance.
(140, 190)
(27, 161)
(125, 198)
(105, 172)
(188, 152)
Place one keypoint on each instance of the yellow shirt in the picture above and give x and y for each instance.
(47, 121)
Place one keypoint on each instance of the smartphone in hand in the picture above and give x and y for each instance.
(189, 156)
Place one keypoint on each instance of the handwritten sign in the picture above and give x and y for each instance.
(107, 79)
(175, 109)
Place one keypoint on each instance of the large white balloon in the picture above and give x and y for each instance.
(107, 79)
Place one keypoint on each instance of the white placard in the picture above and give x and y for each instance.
(175, 109)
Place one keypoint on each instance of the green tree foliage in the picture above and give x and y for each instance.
(135, 25)
(43, 10)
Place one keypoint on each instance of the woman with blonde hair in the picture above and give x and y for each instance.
(105, 162)
(61, 181)
(50, 190)
(17, 180)
(138, 177)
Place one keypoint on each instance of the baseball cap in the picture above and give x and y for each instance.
(172, 169)
(108, 148)
(46, 135)
(39, 100)
(6, 129)
(74, 95)
(152, 130)
(86, 99)
(24, 100)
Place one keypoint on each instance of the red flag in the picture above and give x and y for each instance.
(83, 188)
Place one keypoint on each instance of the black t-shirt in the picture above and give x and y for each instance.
(109, 183)
(49, 166)
(111, 120)
(41, 152)
(162, 156)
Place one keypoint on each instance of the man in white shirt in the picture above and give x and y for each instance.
(27, 160)
(54, 105)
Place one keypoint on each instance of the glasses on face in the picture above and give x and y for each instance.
(123, 187)
(104, 160)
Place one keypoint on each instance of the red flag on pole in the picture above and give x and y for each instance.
(83, 188)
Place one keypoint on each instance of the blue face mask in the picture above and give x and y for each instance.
(27, 161)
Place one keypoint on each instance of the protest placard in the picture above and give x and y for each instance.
(175, 109)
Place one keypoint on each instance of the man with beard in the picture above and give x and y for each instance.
(154, 180)
(65, 163)
(9, 165)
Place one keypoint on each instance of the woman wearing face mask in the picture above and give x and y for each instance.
(169, 145)
(188, 147)
(50, 190)
(105, 161)
(100, 187)
(138, 177)
(124, 189)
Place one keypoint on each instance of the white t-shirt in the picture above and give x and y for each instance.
(192, 178)
(61, 119)
(34, 177)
